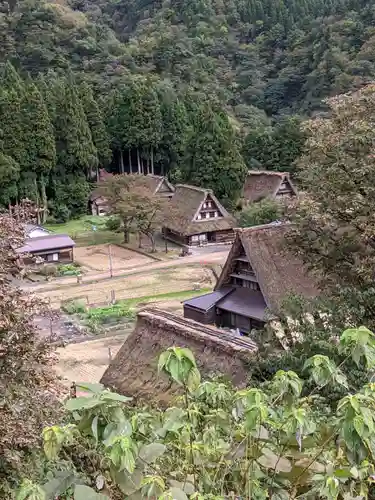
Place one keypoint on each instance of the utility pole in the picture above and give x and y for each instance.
(110, 260)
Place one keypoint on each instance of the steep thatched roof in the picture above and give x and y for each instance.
(185, 205)
(134, 369)
(279, 272)
(156, 182)
(261, 184)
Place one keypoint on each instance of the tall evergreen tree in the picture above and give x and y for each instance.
(152, 124)
(39, 145)
(11, 80)
(74, 145)
(11, 144)
(96, 123)
(212, 156)
(175, 129)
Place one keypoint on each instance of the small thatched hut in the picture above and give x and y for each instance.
(133, 371)
(261, 184)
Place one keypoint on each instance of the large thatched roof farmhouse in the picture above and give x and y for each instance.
(157, 184)
(259, 274)
(197, 218)
(134, 369)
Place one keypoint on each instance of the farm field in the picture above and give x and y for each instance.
(87, 361)
(158, 282)
(97, 258)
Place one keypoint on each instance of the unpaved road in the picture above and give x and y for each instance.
(205, 259)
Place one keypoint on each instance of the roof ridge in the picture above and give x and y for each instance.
(270, 225)
(51, 235)
(195, 188)
(268, 172)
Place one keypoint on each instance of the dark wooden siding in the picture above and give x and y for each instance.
(243, 323)
(178, 238)
(204, 317)
(224, 236)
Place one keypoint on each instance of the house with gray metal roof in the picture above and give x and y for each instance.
(48, 248)
(259, 274)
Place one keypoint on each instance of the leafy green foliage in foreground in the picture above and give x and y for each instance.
(258, 443)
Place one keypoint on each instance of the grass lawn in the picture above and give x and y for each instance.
(184, 295)
(81, 231)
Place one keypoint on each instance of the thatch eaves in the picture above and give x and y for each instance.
(260, 184)
(133, 371)
(185, 205)
(279, 272)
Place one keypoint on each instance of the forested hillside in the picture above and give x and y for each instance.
(197, 88)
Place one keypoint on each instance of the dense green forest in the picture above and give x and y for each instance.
(196, 88)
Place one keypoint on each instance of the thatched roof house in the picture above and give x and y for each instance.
(134, 369)
(259, 274)
(157, 184)
(260, 184)
(197, 217)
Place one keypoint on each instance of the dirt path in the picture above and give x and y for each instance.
(87, 361)
(208, 258)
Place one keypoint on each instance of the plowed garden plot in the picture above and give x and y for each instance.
(137, 285)
(97, 258)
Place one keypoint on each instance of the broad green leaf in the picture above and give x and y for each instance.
(113, 396)
(194, 379)
(89, 387)
(150, 452)
(53, 438)
(343, 473)
(187, 487)
(82, 492)
(173, 369)
(178, 494)
(260, 433)
(272, 461)
(359, 425)
(59, 484)
(127, 461)
(189, 355)
(82, 403)
(163, 360)
(94, 428)
(128, 483)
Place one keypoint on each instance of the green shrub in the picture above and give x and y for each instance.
(263, 212)
(69, 269)
(108, 314)
(74, 307)
(113, 224)
(215, 441)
